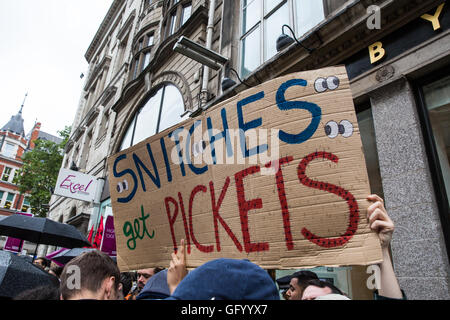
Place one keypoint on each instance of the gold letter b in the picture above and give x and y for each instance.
(376, 52)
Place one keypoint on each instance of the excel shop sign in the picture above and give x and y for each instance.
(76, 185)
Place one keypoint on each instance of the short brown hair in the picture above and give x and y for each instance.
(95, 266)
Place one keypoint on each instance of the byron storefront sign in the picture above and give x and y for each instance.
(76, 185)
(411, 35)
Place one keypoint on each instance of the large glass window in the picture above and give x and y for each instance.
(261, 25)
(437, 103)
(161, 111)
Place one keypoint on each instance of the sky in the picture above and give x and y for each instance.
(42, 48)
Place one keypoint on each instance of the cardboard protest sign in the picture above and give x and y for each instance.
(275, 175)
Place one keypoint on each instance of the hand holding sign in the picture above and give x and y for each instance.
(177, 270)
(379, 220)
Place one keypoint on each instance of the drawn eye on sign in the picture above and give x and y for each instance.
(198, 148)
(345, 128)
(122, 186)
(330, 83)
(333, 129)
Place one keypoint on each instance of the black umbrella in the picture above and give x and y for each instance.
(17, 275)
(66, 256)
(42, 231)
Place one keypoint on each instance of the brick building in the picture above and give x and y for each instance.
(14, 143)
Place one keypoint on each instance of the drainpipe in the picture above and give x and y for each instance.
(209, 35)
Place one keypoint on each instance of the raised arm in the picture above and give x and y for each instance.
(380, 222)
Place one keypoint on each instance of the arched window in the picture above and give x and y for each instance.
(143, 49)
(162, 110)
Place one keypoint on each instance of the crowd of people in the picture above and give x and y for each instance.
(101, 278)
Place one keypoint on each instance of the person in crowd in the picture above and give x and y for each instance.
(126, 283)
(42, 262)
(92, 275)
(295, 283)
(156, 288)
(143, 275)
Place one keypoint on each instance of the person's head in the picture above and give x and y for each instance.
(91, 275)
(144, 274)
(227, 279)
(298, 283)
(42, 262)
(318, 288)
(126, 282)
(156, 287)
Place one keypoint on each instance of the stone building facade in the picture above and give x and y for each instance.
(397, 57)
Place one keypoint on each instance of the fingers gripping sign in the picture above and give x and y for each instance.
(379, 220)
(177, 269)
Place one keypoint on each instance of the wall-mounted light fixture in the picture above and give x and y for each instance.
(227, 82)
(284, 40)
(199, 53)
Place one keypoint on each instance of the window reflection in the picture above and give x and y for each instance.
(250, 52)
(309, 14)
(251, 14)
(269, 5)
(273, 25)
(147, 118)
(171, 111)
